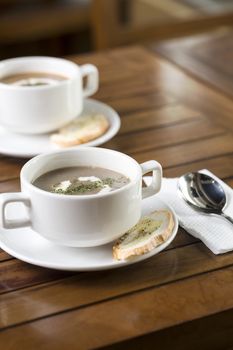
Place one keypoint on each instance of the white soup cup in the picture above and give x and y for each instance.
(44, 108)
(82, 220)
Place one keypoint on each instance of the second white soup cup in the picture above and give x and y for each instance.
(41, 109)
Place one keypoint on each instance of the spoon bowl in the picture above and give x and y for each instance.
(203, 193)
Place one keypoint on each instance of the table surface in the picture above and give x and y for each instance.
(184, 291)
(207, 56)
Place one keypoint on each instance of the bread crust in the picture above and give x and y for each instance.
(80, 131)
(120, 253)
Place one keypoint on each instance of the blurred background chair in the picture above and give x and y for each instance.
(51, 27)
(62, 27)
(119, 22)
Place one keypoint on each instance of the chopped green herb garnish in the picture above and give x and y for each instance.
(108, 181)
(81, 187)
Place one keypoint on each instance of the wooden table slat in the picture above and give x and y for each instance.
(10, 168)
(74, 292)
(15, 274)
(128, 316)
(4, 256)
(158, 117)
(208, 57)
(170, 135)
(191, 152)
(221, 166)
(131, 104)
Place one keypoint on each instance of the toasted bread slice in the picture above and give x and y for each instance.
(151, 231)
(81, 130)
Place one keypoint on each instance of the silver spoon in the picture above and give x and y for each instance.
(203, 193)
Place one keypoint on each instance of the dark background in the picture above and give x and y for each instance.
(63, 27)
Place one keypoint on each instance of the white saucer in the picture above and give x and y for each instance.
(29, 246)
(27, 146)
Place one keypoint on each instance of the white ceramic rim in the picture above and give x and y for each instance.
(67, 81)
(29, 166)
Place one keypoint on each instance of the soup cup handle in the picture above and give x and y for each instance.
(7, 198)
(92, 83)
(156, 181)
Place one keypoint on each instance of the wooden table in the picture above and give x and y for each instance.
(181, 298)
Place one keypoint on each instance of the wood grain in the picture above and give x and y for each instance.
(191, 152)
(15, 274)
(208, 294)
(211, 330)
(4, 256)
(173, 135)
(10, 168)
(157, 117)
(81, 289)
(12, 185)
(221, 166)
(139, 103)
(203, 56)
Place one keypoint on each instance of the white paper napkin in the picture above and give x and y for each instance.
(214, 231)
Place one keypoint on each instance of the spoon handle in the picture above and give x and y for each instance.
(227, 217)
